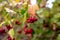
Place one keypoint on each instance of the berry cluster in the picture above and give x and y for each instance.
(26, 30)
(9, 27)
(31, 19)
(9, 38)
(2, 31)
(17, 22)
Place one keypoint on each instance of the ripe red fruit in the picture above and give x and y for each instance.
(45, 25)
(13, 38)
(9, 38)
(8, 26)
(28, 20)
(35, 19)
(19, 31)
(2, 30)
(17, 22)
(25, 26)
(28, 31)
(31, 19)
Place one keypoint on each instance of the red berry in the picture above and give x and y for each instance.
(35, 19)
(8, 26)
(25, 26)
(46, 25)
(28, 31)
(9, 38)
(31, 19)
(19, 31)
(17, 22)
(13, 38)
(2, 30)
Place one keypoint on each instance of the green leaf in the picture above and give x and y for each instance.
(25, 17)
(49, 32)
(58, 37)
(11, 33)
(1, 24)
(1, 0)
(46, 13)
(58, 23)
(39, 11)
(22, 11)
(38, 1)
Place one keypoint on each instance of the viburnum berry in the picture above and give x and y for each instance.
(8, 26)
(2, 30)
(19, 31)
(17, 22)
(31, 19)
(9, 38)
(28, 31)
(25, 26)
(35, 19)
(45, 25)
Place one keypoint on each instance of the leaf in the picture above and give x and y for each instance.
(22, 11)
(25, 17)
(58, 37)
(58, 23)
(2, 23)
(4, 12)
(46, 13)
(39, 11)
(38, 1)
(11, 33)
(48, 33)
(0, 0)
